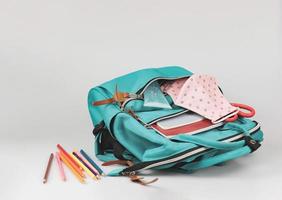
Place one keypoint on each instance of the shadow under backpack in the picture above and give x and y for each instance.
(123, 128)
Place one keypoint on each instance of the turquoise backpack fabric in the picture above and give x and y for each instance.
(119, 135)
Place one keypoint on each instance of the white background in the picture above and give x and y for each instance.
(52, 52)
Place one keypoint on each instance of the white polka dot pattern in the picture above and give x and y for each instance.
(200, 94)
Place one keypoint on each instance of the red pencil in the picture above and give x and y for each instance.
(71, 161)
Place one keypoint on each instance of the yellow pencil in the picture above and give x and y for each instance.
(71, 168)
(87, 164)
(84, 167)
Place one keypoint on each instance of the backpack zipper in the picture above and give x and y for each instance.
(183, 155)
(201, 149)
(139, 94)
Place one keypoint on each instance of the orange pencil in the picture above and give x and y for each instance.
(71, 161)
(67, 155)
(80, 178)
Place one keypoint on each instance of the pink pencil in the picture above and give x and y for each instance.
(61, 169)
(86, 161)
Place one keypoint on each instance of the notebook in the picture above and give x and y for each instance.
(186, 123)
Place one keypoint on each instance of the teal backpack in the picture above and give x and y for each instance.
(123, 129)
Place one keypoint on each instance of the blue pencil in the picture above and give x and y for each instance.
(92, 162)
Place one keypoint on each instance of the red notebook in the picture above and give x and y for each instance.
(187, 123)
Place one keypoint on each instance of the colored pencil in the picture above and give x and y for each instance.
(84, 167)
(79, 157)
(60, 166)
(74, 165)
(45, 178)
(92, 162)
(77, 175)
(88, 164)
(67, 155)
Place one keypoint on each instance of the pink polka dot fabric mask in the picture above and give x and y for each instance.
(200, 94)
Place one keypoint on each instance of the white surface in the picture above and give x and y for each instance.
(53, 52)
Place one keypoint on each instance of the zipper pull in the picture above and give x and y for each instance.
(132, 113)
(135, 96)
